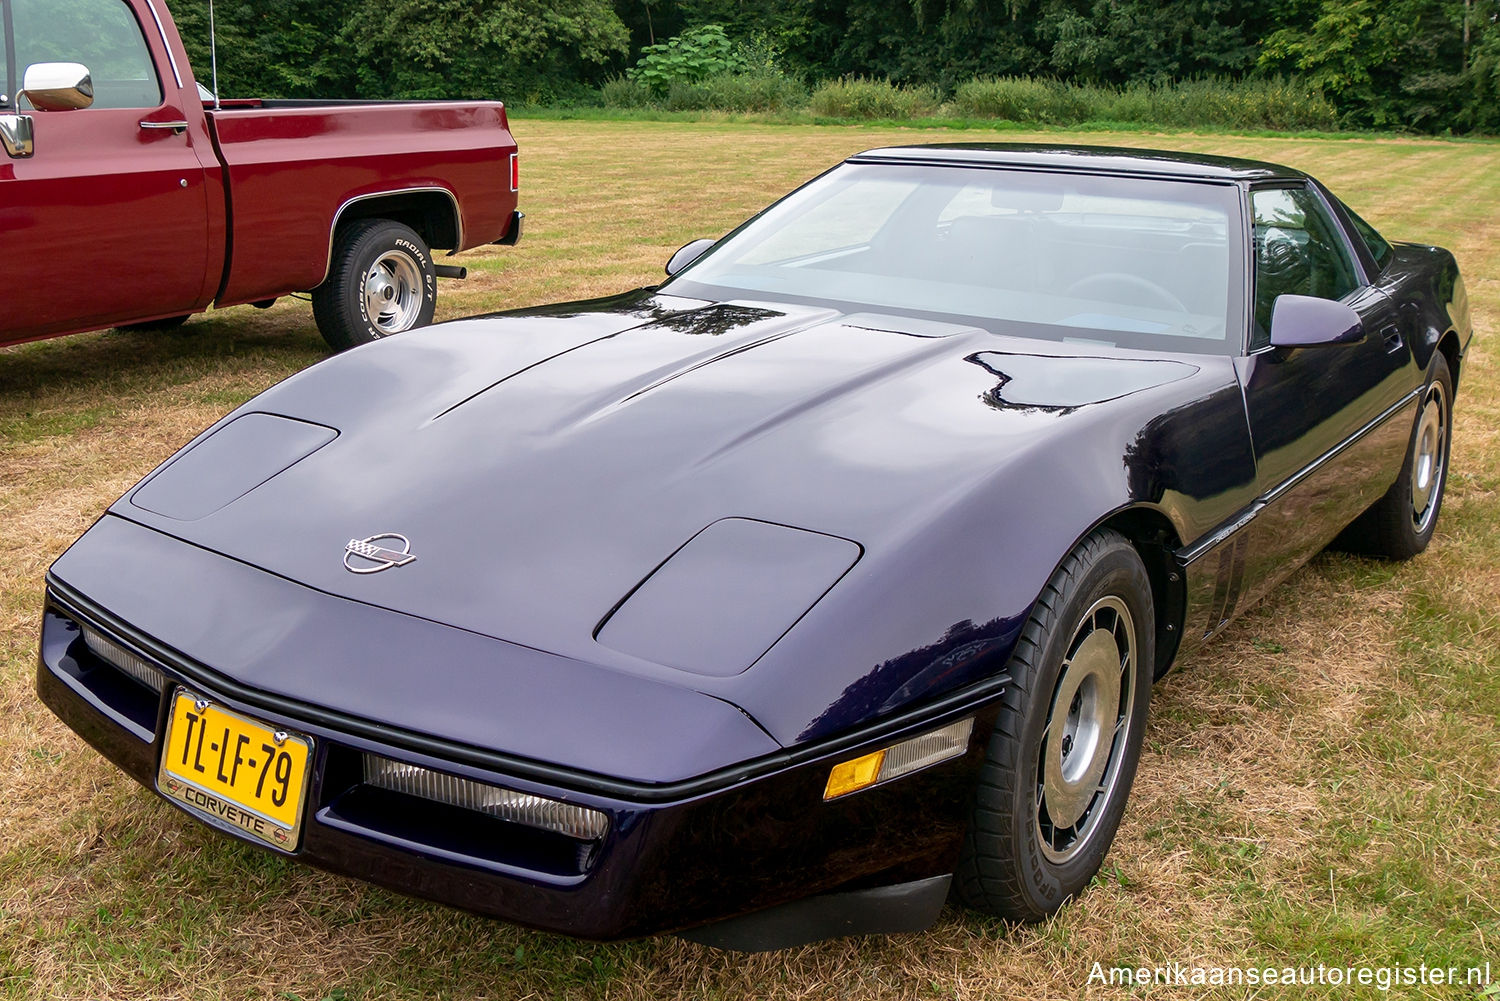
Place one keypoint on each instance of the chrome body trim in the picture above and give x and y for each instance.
(162, 31)
(1189, 554)
(18, 135)
(458, 217)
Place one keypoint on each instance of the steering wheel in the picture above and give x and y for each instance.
(1120, 279)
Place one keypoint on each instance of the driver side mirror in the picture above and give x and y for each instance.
(1303, 321)
(58, 86)
(687, 255)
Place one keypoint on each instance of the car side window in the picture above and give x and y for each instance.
(102, 35)
(1298, 251)
(1379, 248)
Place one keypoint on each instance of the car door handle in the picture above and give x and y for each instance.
(180, 126)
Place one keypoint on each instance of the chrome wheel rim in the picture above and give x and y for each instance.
(1087, 728)
(393, 293)
(1427, 458)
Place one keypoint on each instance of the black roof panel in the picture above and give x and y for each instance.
(1092, 159)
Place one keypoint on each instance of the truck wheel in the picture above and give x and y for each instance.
(1064, 749)
(382, 282)
(170, 323)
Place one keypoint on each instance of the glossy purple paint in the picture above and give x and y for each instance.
(547, 464)
(1302, 321)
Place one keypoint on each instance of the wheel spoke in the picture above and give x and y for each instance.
(1077, 778)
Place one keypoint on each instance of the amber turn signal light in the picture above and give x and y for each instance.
(911, 755)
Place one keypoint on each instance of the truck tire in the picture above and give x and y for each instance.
(382, 281)
(168, 323)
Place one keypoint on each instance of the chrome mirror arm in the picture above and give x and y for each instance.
(17, 134)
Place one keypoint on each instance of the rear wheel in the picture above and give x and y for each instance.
(381, 282)
(1401, 523)
(1063, 753)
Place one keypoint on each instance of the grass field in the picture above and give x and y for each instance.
(1322, 785)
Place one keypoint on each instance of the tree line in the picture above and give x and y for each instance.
(1424, 65)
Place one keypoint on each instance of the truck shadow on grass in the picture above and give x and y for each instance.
(237, 345)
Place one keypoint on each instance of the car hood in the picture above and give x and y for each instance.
(542, 465)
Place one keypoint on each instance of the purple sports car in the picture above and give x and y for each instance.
(788, 599)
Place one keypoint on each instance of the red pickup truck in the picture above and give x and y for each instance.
(127, 199)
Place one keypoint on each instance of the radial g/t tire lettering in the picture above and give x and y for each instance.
(381, 282)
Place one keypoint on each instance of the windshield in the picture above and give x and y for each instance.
(1134, 262)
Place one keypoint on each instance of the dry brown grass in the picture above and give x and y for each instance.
(1320, 785)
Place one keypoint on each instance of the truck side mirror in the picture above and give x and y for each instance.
(58, 86)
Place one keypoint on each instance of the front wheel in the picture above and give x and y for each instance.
(381, 282)
(1063, 753)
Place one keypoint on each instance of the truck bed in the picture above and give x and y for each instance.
(282, 158)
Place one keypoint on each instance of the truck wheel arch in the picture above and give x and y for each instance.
(433, 212)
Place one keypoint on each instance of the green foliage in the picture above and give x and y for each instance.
(1277, 104)
(856, 97)
(762, 91)
(1419, 64)
(1247, 104)
(1026, 99)
(623, 92)
(690, 57)
(508, 49)
(271, 48)
(765, 91)
(1340, 51)
(1424, 65)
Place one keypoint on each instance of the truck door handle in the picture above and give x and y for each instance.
(174, 126)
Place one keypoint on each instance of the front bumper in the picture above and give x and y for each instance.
(674, 856)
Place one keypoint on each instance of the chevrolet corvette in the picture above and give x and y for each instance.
(821, 584)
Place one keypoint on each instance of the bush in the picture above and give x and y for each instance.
(765, 91)
(1277, 104)
(856, 97)
(1024, 99)
(694, 55)
(623, 92)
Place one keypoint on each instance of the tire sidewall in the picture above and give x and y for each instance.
(1438, 374)
(373, 245)
(1117, 572)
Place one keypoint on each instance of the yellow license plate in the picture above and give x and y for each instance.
(236, 772)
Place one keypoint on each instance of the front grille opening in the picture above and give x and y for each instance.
(459, 819)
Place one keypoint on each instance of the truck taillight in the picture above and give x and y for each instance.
(515, 172)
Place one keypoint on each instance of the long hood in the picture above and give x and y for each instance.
(540, 467)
